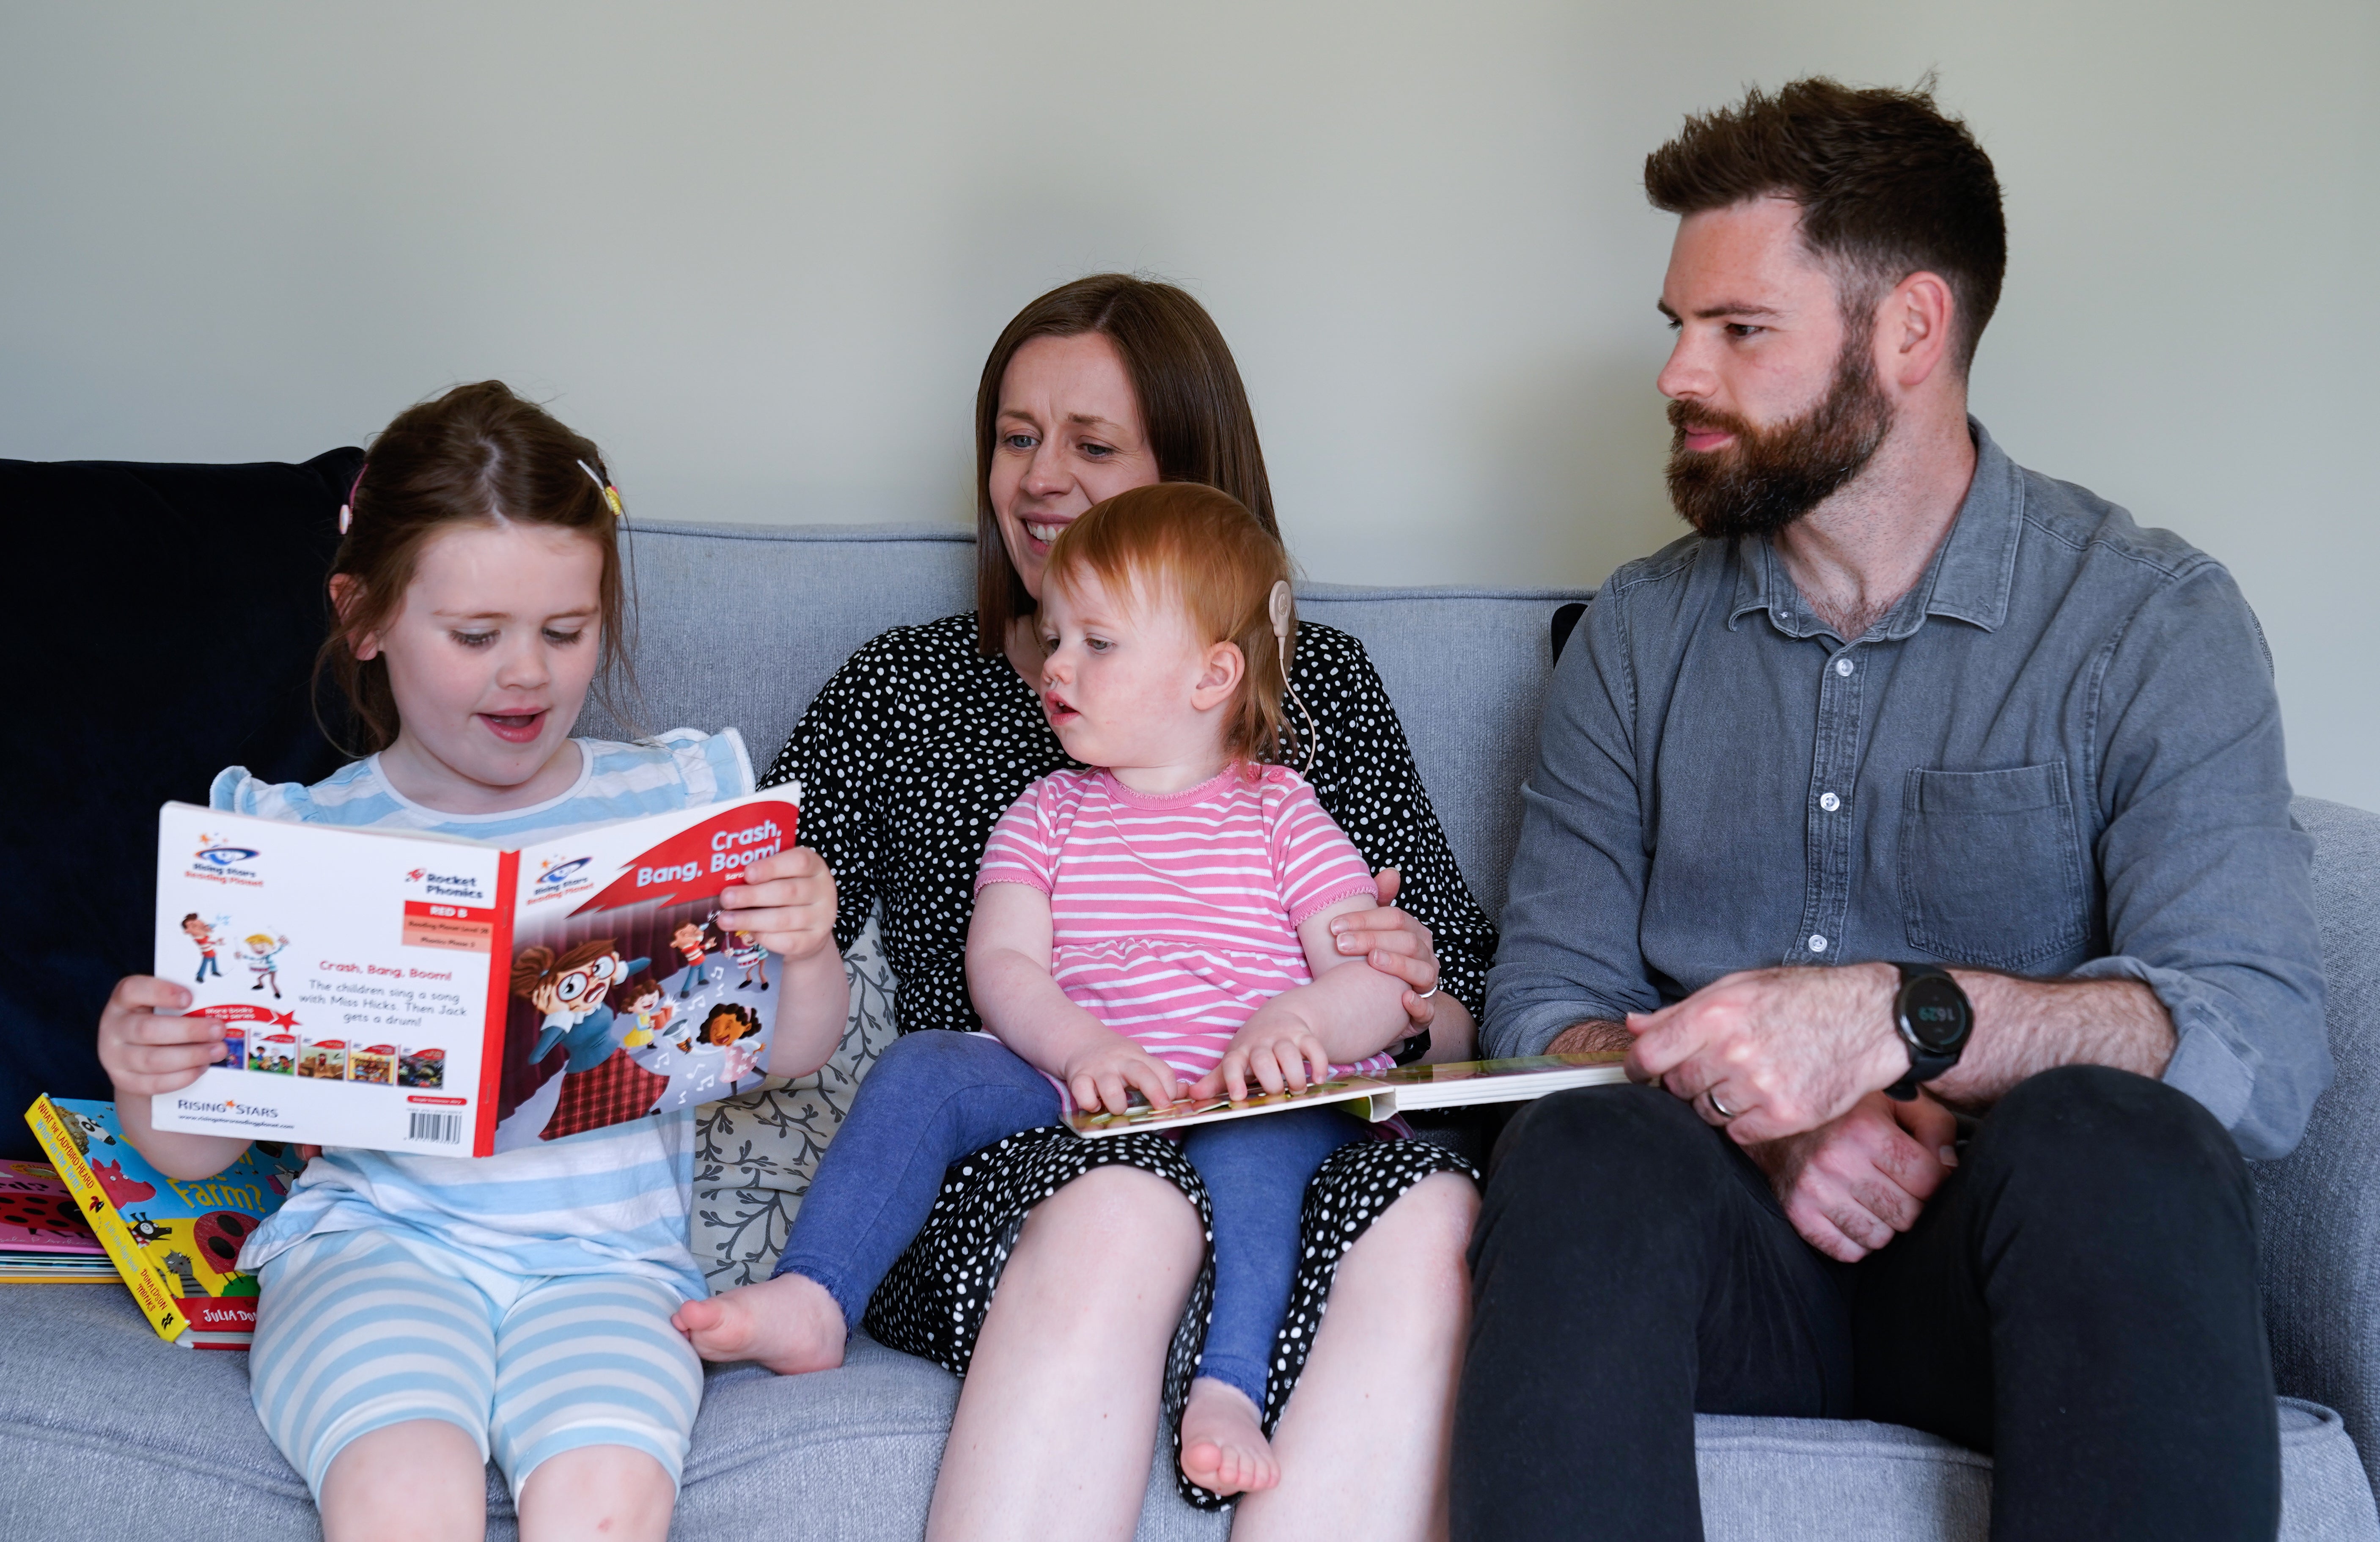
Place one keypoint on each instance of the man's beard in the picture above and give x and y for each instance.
(1771, 476)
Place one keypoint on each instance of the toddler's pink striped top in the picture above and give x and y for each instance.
(1176, 916)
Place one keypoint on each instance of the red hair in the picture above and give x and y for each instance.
(1201, 549)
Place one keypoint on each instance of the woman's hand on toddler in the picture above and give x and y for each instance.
(144, 1053)
(1394, 942)
(1274, 1047)
(785, 901)
(1101, 1073)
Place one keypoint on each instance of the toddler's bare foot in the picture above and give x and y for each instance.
(1224, 1447)
(788, 1324)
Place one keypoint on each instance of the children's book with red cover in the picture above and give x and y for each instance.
(176, 1245)
(43, 1238)
(410, 992)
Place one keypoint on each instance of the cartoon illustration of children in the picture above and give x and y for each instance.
(735, 1028)
(644, 1000)
(204, 936)
(695, 943)
(600, 1085)
(264, 950)
(749, 957)
(571, 989)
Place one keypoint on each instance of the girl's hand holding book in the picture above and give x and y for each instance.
(786, 901)
(146, 1054)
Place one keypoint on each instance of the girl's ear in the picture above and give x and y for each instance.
(346, 592)
(1226, 666)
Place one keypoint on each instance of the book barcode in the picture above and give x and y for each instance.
(445, 1127)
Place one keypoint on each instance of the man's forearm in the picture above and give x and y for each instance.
(2026, 1027)
(1585, 1038)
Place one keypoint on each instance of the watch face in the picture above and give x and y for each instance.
(1936, 1012)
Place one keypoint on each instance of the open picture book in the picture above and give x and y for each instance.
(1381, 1096)
(411, 992)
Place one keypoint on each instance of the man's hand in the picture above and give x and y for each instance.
(1783, 1050)
(1850, 1185)
(785, 901)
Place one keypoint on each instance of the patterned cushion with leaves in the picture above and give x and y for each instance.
(754, 1154)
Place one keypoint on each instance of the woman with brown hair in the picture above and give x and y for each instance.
(1054, 1274)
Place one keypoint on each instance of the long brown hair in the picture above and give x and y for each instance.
(1199, 548)
(476, 456)
(1193, 409)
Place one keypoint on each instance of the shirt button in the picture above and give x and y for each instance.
(1817, 941)
(1829, 802)
(1842, 666)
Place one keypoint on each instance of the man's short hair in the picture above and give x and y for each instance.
(1886, 184)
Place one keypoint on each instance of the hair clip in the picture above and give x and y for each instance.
(1283, 608)
(347, 509)
(610, 493)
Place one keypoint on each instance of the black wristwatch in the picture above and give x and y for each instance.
(1933, 1019)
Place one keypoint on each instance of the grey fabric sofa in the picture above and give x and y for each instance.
(106, 1432)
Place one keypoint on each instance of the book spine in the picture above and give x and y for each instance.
(500, 980)
(158, 1303)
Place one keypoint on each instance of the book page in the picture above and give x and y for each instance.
(628, 991)
(351, 970)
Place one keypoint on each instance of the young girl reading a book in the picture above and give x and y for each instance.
(1158, 926)
(418, 1314)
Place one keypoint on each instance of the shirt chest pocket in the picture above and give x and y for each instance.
(1991, 866)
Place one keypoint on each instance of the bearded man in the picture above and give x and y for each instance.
(1920, 827)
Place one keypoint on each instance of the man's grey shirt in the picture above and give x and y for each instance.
(2059, 755)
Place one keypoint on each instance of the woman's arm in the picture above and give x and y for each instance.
(1350, 1011)
(1435, 936)
(1008, 972)
(837, 753)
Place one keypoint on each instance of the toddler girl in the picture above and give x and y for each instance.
(1158, 921)
(418, 1314)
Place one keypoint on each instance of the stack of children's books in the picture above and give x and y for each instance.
(43, 1238)
(176, 1245)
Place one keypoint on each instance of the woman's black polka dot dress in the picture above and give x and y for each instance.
(907, 759)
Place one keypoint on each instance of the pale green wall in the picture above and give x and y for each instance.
(759, 251)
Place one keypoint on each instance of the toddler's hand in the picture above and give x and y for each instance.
(145, 1054)
(786, 901)
(1277, 1047)
(1099, 1076)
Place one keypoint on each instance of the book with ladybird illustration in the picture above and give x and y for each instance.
(404, 991)
(1381, 1096)
(177, 1245)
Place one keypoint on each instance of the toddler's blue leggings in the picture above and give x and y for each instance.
(933, 1098)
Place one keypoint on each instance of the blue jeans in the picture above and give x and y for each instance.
(934, 1097)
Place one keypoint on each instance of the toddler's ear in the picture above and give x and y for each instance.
(1225, 668)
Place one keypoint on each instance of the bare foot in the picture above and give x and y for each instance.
(1224, 1447)
(788, 1324)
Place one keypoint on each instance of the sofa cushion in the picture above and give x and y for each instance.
(106, 1432)
(1784, 1480)
(193, 617)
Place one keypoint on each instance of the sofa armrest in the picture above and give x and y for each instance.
(2319, 1230)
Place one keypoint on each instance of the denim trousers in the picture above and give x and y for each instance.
(935, 1097)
